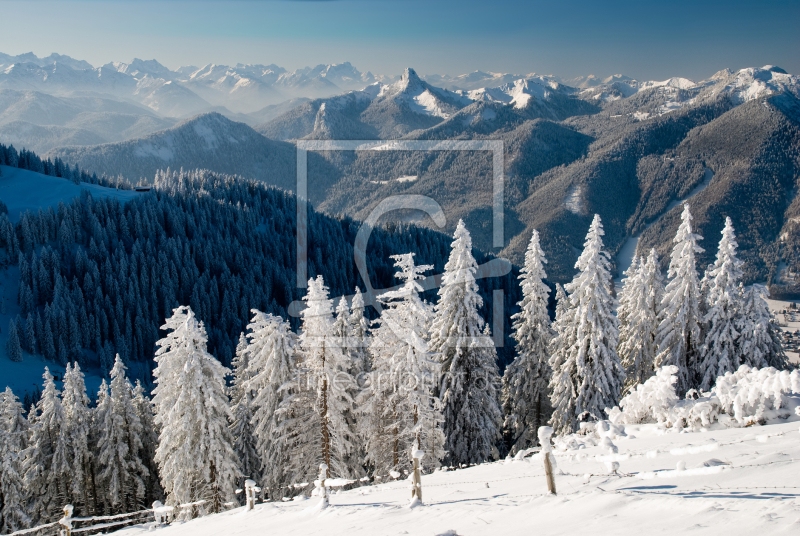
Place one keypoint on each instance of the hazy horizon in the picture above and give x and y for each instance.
(447, 38)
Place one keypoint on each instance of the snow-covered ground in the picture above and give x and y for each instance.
(23, 190)
(725, 481)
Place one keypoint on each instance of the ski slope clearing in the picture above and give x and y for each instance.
(23, 190)
(722, 481)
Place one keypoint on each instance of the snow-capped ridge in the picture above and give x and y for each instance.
(752, 83)
(30, 57)
(140, 68)
(520, 92)
(740, 86)
(674, 82)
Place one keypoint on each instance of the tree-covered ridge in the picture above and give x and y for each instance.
(24, 159)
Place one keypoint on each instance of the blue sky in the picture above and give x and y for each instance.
(643, 39)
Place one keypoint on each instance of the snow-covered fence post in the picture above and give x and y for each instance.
(416, 481)
(322, 488)
(545, 432)
(250, 490)
(66, 521)
(162, 514)
(159, 513)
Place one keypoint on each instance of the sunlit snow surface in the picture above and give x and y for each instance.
(732, 481)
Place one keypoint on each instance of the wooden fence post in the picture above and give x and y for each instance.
(250, 490)
(545, 432)
(416, 481)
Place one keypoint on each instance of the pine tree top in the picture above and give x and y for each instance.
(727, 272)
(685, 244)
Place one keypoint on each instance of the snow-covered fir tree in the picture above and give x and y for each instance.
(359, 332)
(244, 440)
(340, 329)
(313, 418)
(149, 437)
(679, 332)
(13, 346)
(271, 353)
(705, 287)
(639, 305)
(341, 332)
(120, 469)
(470, 382)
(46, 451)
(591, 359)
(563, 368)
(720, 352)
(627, 296)
(102, 502)
(398, 407)
(76, 431)
(526, 392)
(13, 441)
(759, 342)
(195, 452)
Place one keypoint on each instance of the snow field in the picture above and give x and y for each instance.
(23, 190)
(725, 481)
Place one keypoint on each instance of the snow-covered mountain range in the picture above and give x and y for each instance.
(573, 147)
(248, 88)
(185, 91)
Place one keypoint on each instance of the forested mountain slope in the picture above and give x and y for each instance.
(208, 141)
(98, 277)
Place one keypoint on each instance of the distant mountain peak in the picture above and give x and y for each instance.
(28, 57)
(410, 77)
(410, 73)
(724, 73)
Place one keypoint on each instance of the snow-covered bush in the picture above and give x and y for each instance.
(739, 398)
(651, 400)
(754, 395)
(694, 414)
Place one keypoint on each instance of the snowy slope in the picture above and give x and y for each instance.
(735, 481)
(23, 190)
